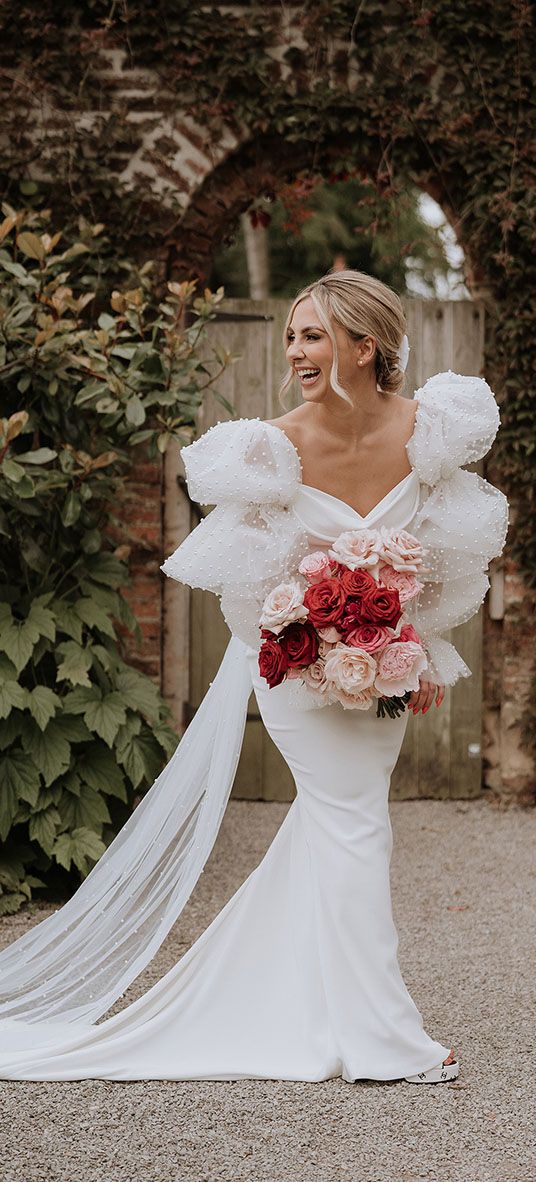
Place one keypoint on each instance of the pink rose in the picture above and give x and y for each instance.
(358, 548)
(356, 701)
(316, 566)
(350, 669)
(331, 634)
(370, 637)
(315, 678)
(399, 666)
(284, 605)
(324, 645)
(402, 581)
(400, 550)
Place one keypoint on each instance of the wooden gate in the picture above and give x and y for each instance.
(441, 752)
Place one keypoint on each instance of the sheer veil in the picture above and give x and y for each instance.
(77, 962)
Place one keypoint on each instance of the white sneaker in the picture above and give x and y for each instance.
(441, 1074)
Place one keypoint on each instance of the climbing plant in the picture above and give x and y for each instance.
(82, 733)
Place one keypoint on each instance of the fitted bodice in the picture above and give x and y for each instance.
(324, 516)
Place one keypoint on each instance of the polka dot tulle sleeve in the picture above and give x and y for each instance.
(251, 473)
(462, 520)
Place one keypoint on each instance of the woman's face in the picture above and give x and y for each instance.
(310, 354)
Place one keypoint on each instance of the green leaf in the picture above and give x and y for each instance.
(10, 904)
(94, 616)
(98, 768)
(89, 808)
(43, 826)
(10, 730)
(50, 752)
(135, 411)
(71, 509)
(17, 640)
(91, 541)
(132, 758)
(9, 804)
(42, 703)
(75, 665)
(81, 846)
(138, 692)
(166, 737)
(105, 717)
(31, 245)
(73, 729)
(107, 322)
(43, 620)
(67, 620)
(12, 471)
(26, 488)
(107, 569)
(19, 778)
(41, 455)
(7, 668)
(11, 694)
(11, 870)
(76, 701)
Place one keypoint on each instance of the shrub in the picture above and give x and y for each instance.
(81, 732)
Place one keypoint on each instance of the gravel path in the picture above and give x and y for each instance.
(461, 879)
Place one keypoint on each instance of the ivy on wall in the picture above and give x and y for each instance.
(437, 94)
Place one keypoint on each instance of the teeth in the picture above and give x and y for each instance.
(305, 373)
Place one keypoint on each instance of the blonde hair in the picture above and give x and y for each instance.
(363, 306)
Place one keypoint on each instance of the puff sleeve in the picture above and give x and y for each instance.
(462, 519)
(250, 472)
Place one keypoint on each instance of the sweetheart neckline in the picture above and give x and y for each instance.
(322, 492)
(361, 516)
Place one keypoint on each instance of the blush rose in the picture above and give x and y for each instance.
(400, 549)
(316, 566)
(402, 581)
(357, 548)
(399, 668)
(284, 605)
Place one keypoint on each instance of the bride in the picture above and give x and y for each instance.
(297, 978)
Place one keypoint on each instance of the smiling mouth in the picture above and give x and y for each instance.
(309, 376)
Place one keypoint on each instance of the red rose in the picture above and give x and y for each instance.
(370, 637)
(273, 662)
(351, 617)
(381, 605)
(300, 643)
(325, 602)
(407, 632)
(356, 582)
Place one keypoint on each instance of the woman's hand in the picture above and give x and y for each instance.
(422, 698)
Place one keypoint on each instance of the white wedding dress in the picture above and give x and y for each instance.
(297, 978)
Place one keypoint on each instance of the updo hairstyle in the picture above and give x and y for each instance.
(363, 306)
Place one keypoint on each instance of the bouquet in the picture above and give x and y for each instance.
(339, 625)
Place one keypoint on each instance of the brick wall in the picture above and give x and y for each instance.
(140, 512)
(212, 182)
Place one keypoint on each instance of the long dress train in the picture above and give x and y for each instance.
(297, 977)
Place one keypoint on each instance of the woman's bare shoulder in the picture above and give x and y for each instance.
(290, 423)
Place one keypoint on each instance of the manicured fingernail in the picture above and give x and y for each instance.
(425, 709)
